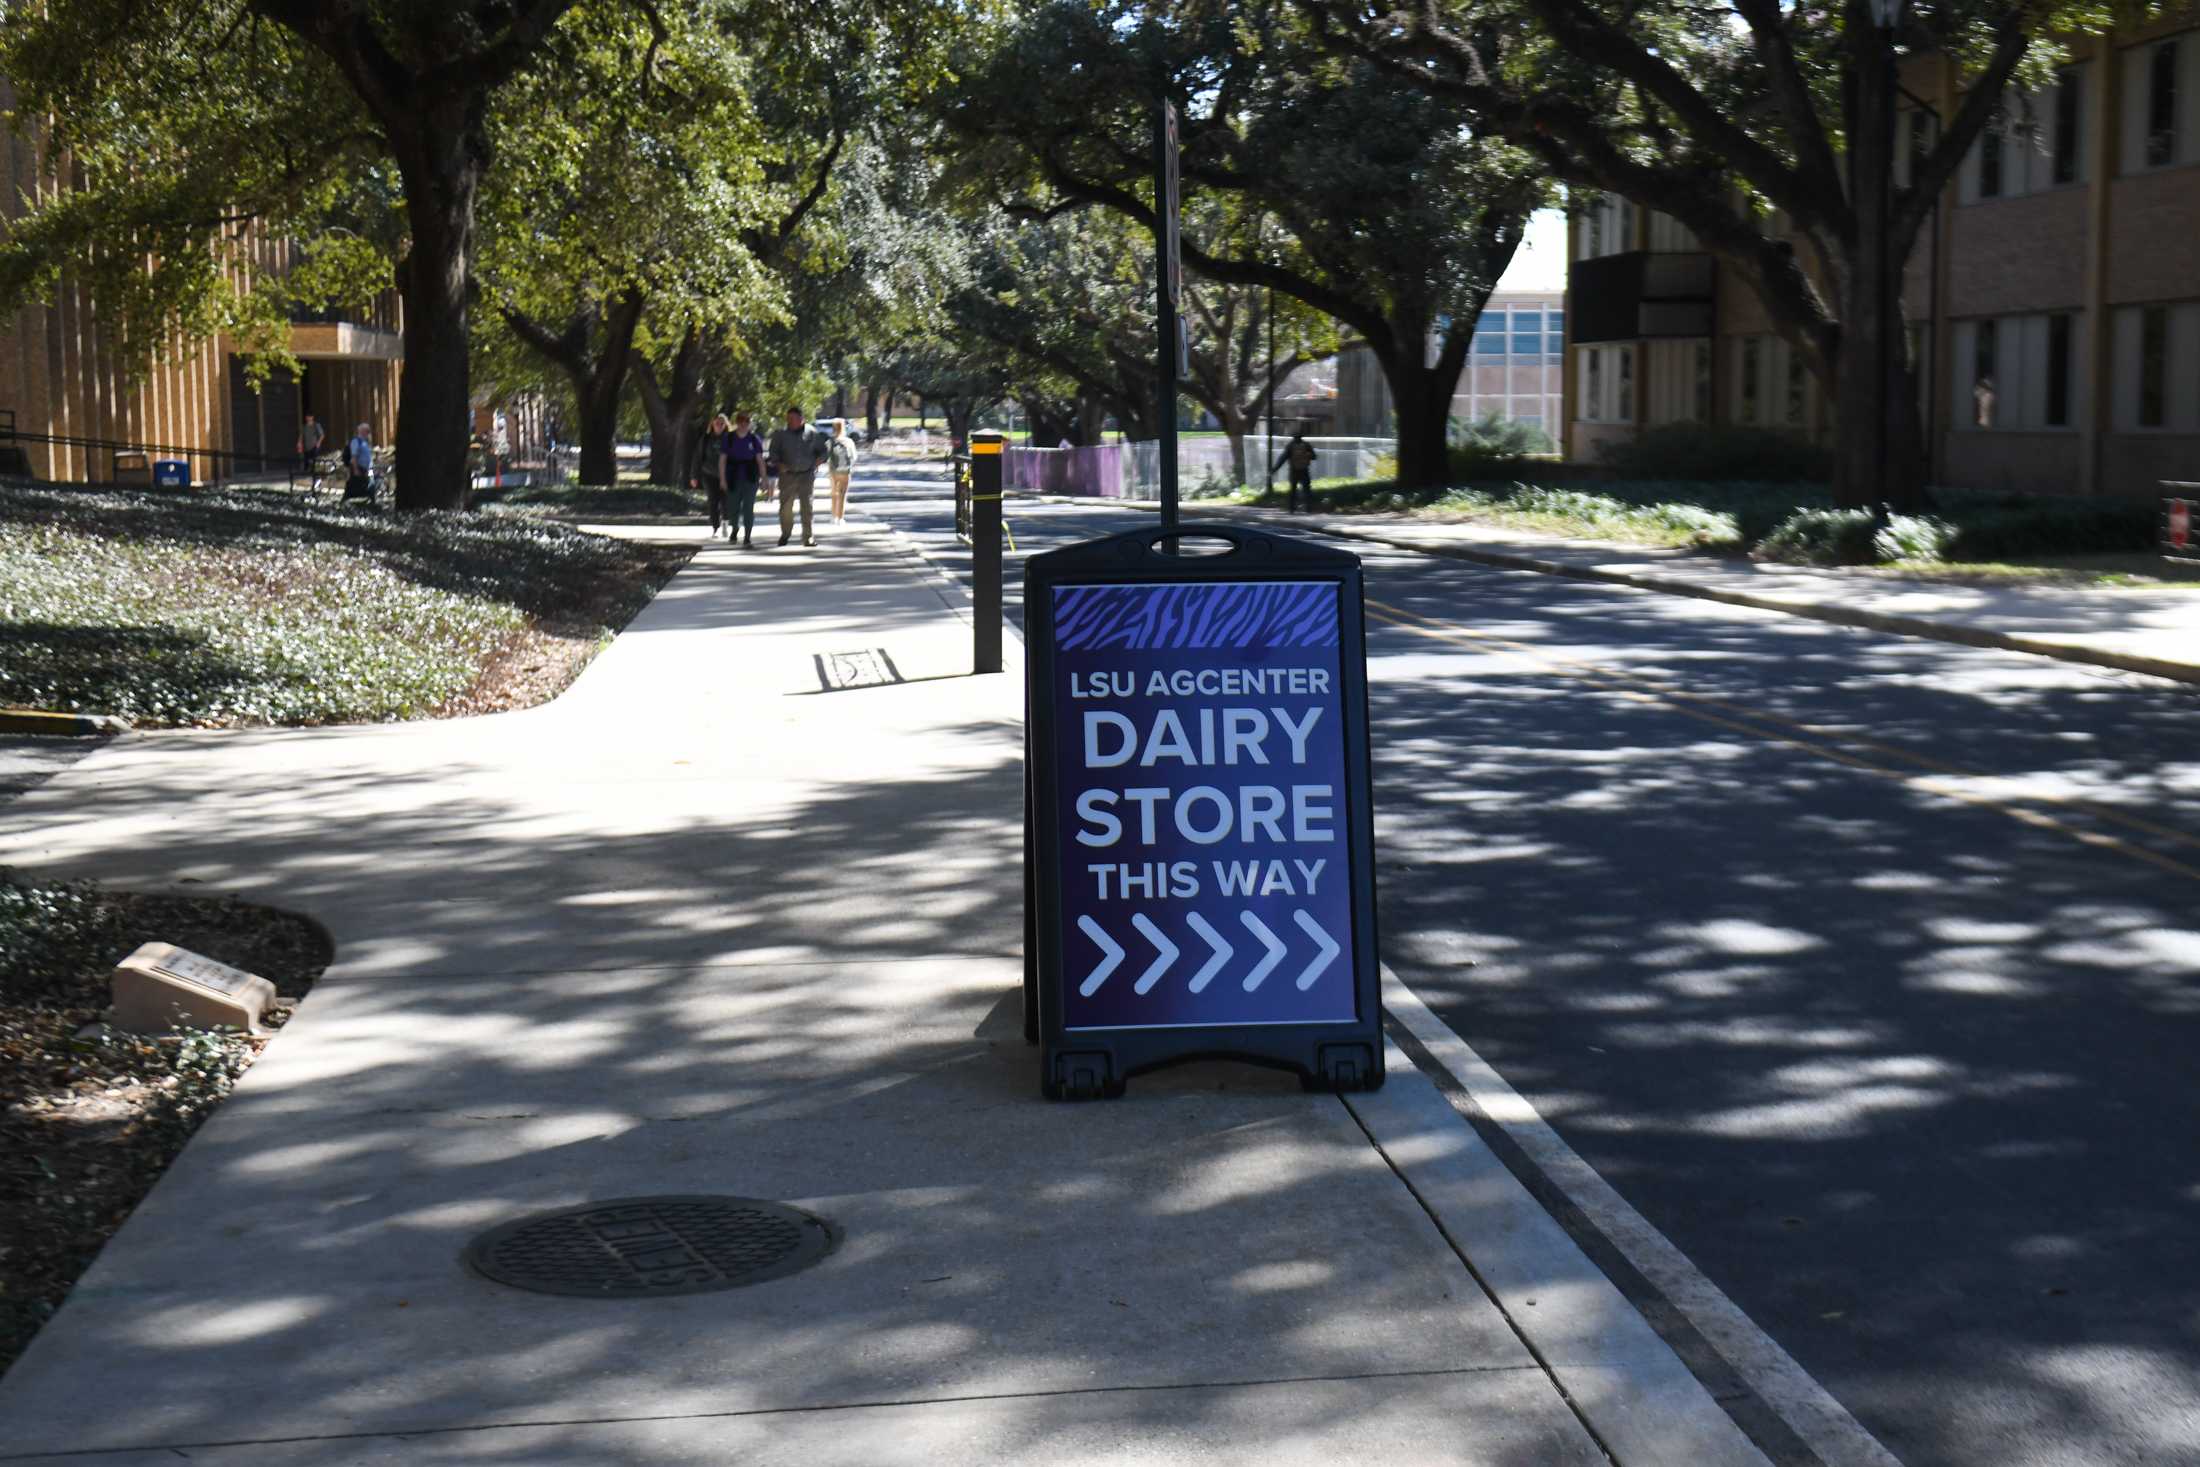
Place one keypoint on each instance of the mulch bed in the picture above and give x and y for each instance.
(90, 1117)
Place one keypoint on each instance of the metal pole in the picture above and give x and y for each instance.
(1269, 457)
(986, 462)
(1165, 245)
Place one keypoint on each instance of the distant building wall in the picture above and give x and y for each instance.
(62, 376)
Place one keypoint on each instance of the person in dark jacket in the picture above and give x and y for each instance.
(1299, 455)
(708, 472)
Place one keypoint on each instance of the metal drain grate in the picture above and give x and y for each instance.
(839, 672)
(641, 1247)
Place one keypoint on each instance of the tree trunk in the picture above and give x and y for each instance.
(1423, 399)
(1092, 419)
(1866, 473)
(671, 409)
(1233, 424)
(870, 409)
(441, 162)
(602, 387)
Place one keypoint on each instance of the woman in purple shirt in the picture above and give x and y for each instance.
(743, 468)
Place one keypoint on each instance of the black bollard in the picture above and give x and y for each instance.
(986, 462)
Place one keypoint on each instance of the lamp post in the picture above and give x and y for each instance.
(1887, 16)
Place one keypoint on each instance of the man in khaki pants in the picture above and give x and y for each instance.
(796, 451)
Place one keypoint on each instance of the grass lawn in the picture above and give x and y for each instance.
(265, 608)
(89, 1117)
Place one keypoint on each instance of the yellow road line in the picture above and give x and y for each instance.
(1676, 700)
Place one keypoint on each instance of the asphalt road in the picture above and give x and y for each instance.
(1865, 968)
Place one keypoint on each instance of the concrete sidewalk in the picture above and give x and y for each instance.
(704, 926)
(2144, 630)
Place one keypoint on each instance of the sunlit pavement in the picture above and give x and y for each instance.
(716, 921)
(1864, 967)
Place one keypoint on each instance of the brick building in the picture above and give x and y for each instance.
(2053, 300)
(76, 416)
(1515, 368)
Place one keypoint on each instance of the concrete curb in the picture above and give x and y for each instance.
(61, 725)
(1875, 621)
(1900, 626)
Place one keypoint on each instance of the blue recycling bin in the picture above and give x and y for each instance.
(171, 473)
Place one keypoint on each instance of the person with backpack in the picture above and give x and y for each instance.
(1299, 455)
(840, 462)
(359, 465)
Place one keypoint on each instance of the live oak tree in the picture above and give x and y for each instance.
(617, 229)
(1759, 125)
(179, 127)
(1396, 222)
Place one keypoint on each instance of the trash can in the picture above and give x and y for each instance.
(1199, 847)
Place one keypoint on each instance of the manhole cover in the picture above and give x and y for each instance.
(638, 1247)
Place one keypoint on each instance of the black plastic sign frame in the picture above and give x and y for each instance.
(1200, 839)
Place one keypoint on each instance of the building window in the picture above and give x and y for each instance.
(1703, 381)
(1624, 410)
(1752, 376)
(2069, 122)
(2161, 135)
(1921, 145)
(1796, 391)
(1983, 392)
(1989, 159)
(1592, 394)
(2153, 366)
(2057, 410)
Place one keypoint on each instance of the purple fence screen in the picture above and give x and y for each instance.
(1093, 473)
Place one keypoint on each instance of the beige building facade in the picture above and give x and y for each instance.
(1515, 369)
(2053, 300)
(74, 413)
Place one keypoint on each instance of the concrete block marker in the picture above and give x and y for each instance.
(161, 986)
(62, 725)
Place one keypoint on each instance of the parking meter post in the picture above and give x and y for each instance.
(987, 458)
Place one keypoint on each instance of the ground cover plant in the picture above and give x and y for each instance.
(268, 608)
(90, 1117)
(641, 501)
(1793, 521)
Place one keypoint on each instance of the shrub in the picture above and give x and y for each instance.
(1822, 537)
(2010, 526)
(1717, 451)
(1913, 537)
(1493, 447)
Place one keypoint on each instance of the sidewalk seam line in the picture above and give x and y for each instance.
(403, 1433)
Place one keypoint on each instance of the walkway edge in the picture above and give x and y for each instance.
(1819, 1422)
(1644, 1405)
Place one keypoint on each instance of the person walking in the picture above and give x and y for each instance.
(840, 461)
(744, 466)
(359, 464)
(793, 454)
(708, 471)
(1299, 455)
(311, 435)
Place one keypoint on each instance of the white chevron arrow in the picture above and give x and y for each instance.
(1099, 974)
(1276, 950)
(1322, 959)
(1165, 950)
(1222, 949)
